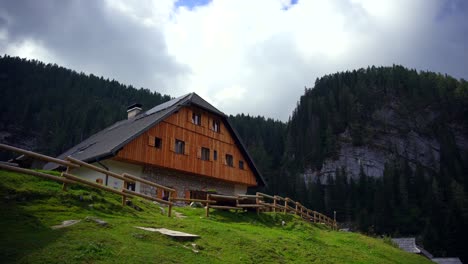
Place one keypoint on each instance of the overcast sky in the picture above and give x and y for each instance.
(253, 56)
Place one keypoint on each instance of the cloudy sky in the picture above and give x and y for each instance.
(252, 56)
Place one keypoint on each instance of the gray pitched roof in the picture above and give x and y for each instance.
(110, 140)
(407, 244)
(447, 260)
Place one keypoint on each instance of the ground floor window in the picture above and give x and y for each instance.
(131, 186)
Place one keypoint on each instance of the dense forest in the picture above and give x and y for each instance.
(49, 108)
(265, 140)
(408, 198)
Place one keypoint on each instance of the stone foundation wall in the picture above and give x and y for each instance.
(183, 182)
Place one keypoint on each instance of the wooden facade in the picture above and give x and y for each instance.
(148, 150)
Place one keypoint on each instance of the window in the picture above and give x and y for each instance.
(205, 154)
(241, 164)
(196, 118)
(216, 126)
(157, 142)
(179, 146)
(229, 160)
(215, 155)
(131, 186)
(154, 142)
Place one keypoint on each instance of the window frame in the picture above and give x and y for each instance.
(179, 146)
(216, 126)
(197, 118)
(229, 160)
(215, 155)
(241, 165)
(205, 154)
(156, 141)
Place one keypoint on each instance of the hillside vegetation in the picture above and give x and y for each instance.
(30, 206)
(48, 108)
(385, 147)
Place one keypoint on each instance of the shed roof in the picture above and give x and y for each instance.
(447, 260)
(407, 244)
(107, 142)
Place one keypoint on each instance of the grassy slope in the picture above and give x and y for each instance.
(29, 206)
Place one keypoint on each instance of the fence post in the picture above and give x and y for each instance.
(257, 201)
(285, 205)
(274, 203)
(297, 208)
(64, 185)
(207, 208)
(169, 209)
(124, 198)
(334, 219)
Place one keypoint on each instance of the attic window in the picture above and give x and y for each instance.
(216, 126)
(179, 146)
(196, 118)
(241, 164)
(157, 142)
(229, 160)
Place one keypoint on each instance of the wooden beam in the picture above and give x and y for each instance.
(135, 178)
(268, 204)
(35, 173)
(274, 203)
(225, 207)
(37, 155)
(249, 205)
(147, 197)
(101, 170)
(247, 196)
(90, 183)
(279, 198)
(192, 200)
(229, 197)
(169, 209)
(207, 207)
(265, 195)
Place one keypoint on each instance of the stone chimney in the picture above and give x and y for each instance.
(133, 110)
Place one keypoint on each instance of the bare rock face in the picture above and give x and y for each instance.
(392, 134)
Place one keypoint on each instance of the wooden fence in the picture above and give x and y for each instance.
(266, 203)
(68, 178)
(260, 202)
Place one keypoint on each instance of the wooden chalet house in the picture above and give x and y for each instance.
(185, 143)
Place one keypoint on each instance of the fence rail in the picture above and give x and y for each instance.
(261, 202)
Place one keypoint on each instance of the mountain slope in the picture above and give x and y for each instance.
(384, 147)
(29, 206)
(48, 108)
(387, 148)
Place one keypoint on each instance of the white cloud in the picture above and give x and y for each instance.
(29, 48)
(272, 53)
(256, 56)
